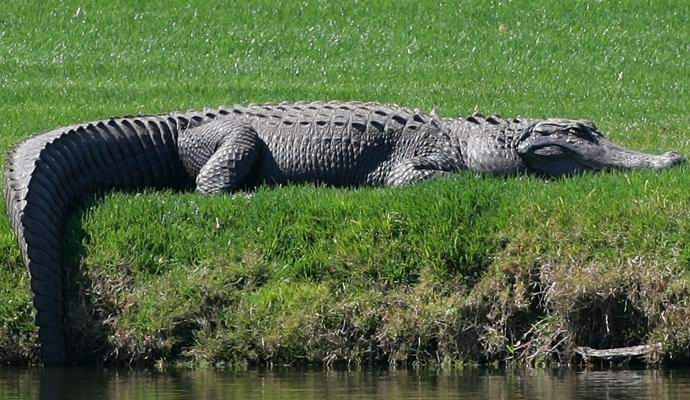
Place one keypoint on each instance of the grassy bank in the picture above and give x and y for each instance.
(470, 269)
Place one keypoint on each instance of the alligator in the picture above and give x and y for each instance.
(239, 147)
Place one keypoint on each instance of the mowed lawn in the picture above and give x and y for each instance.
(466, 270)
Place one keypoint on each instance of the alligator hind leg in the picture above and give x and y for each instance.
(414, 170)
(221, 154)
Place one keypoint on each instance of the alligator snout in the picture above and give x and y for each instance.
(558, 147)
(671, 159)
(613, 156)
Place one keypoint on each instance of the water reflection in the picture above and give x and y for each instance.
(53, 384)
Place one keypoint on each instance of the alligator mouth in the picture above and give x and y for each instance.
(575, 157)
(554, 161)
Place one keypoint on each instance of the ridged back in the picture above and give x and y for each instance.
(336, 143)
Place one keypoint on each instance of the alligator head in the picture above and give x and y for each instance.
(557, 147)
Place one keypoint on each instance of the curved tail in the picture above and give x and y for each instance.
(47, 174)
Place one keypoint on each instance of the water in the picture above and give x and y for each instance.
(306, 385)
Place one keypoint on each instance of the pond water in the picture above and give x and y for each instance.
(305, 385)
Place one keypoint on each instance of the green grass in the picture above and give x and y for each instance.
(470, 269)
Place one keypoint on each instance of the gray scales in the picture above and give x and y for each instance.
(231, 148)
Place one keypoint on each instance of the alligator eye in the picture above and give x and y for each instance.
(582, 131)
(552, 126)
(544, 129)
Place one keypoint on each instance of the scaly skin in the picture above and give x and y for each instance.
(339, 144)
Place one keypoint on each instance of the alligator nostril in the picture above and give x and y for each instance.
(676, 158)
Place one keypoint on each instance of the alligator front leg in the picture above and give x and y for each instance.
(221, 154)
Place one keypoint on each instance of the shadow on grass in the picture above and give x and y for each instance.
(86, 339)
(93, 300)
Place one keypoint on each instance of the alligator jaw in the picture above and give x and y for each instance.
(557, 147)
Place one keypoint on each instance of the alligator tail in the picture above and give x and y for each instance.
(46, 176)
